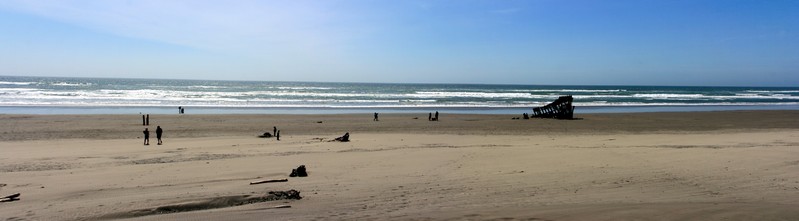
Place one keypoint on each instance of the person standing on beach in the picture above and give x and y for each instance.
(274, 131)
(146, 136)
(158, 133)
(436, 119)
(375, 117)
(429, 116)
(277, 135)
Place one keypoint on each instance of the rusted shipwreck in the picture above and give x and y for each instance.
(559, 109)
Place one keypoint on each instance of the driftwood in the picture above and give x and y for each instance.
(9, 198)
(268, 181)
(207, 204)
(559, 109)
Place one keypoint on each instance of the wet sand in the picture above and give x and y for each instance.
(736, 165)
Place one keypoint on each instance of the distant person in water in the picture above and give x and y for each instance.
(375, 117)
(158, 133)
(180, 110)
(146, 136)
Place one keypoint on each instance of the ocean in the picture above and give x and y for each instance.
(64, 95)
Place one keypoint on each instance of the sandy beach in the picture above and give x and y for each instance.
(731, 165)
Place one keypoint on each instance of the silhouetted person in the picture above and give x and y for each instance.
(143, 121)
(345, 138)
(436, 119)
(429, 116)
(148, 119)
(146, 136)
(180, 110)
(375, 117)
(299, 172)
(277, 135)
(274, 130)
(158, 133)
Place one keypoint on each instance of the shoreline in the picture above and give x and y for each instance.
(88, 126)
(48, 110)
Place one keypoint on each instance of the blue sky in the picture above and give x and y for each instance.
(618, 42)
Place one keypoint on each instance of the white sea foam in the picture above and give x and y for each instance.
(686, 96)
(420, 101)
(205, 87)
(627, 104)
(444, 94)
(276, 100)
(19, 89)
(378, 105)
(16, 83)
(303, 88)
(71, 84)
(150, 94)
(570, 90)
(777, 91)
(100, 92)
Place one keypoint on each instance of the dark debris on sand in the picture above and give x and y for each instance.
(212, 203)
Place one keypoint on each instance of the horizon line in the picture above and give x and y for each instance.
(417, 83)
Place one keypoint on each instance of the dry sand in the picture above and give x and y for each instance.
(737, 165)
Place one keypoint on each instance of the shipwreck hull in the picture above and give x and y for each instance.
(561, 108)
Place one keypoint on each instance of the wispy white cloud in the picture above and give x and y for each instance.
(210, 25)
(390, 40)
